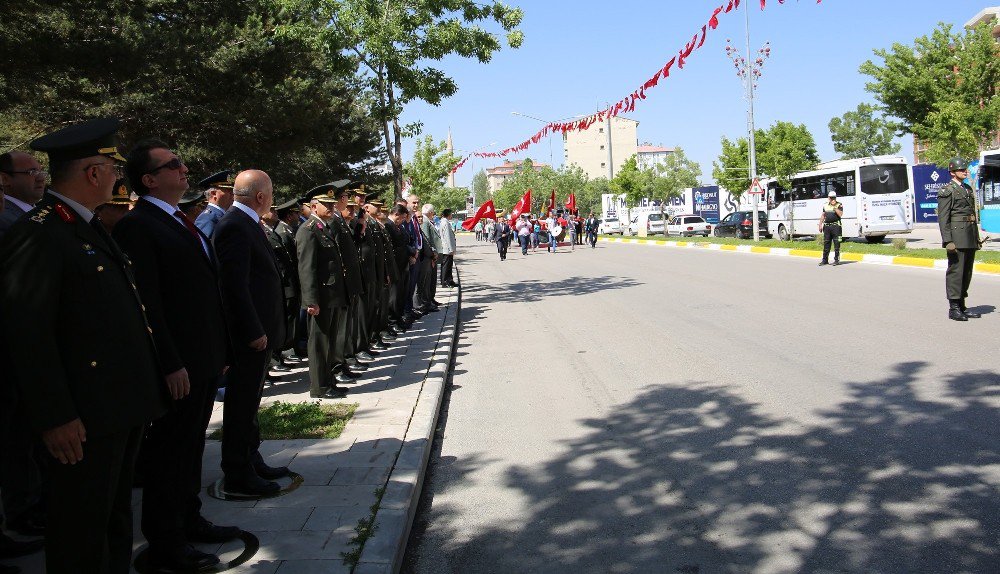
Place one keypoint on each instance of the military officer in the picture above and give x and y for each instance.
(121, 202)
(192, 203)
(288, 270)
(829, 225)
(63, 276)
(377, 313)
(219, 193)
(288, 223)
(385, 332)
(345, 328)
(959, 224)
(324, 292)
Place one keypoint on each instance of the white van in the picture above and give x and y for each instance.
(651, 221)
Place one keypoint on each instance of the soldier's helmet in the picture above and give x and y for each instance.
(957, 164)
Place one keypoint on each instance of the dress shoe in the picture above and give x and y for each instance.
(355, 365)
(281, 368)
(349, 373)
(10, 548)
(365, 356)
(379, 346)
(29, 524)
(965, 310)
(955, 312)
(334, 392)
(388, 335)
(252, 485)
(453, 285)
(184, 558)
(270, 472)
(205, 532)
(822, 263)
(437, 303)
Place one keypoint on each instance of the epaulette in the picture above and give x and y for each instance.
(41, 215)
(65, 213)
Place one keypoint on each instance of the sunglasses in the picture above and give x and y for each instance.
(173, 164)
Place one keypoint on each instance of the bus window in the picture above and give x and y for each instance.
(883, 179)
(837, 183)
(849, 187)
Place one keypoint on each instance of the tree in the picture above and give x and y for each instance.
(589, 198)
(943, 88)
(675, 174)
(248, 83)
(783, 150)
(631, 182)
(428, 170)
(860, 133)
(480, 188)
(394, 40)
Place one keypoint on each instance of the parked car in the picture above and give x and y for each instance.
(610, 226)
(688, 225)
(740, 224)
(650, 220)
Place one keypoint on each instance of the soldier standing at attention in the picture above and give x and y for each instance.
(63, 276)
(829, 224)
(219, 193)
(960, 236)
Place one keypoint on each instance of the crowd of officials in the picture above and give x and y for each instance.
(128, 300)
(530, 232)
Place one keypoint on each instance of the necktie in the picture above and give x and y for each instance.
(188, 224)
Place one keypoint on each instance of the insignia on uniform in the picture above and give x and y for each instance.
(64, 213)
(88, 249)
(40, 216)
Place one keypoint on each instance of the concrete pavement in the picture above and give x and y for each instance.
(634, 409)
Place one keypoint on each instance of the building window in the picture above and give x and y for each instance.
(600, 131)
(603, 165)
(602, 147)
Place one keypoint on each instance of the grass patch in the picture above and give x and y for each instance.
(301, 420)
(846, 246)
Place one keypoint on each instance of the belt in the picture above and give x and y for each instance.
(834, 223)
(971, 218)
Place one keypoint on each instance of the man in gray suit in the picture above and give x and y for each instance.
(434, 238)
(448, 245)
(23, 182)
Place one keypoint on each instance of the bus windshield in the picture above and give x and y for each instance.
(884, 179)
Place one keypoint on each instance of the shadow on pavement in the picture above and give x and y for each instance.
(694, 479)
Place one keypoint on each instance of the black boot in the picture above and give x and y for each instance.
(965, 310)
(955, 312)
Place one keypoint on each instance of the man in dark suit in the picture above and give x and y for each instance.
(219, 193)
(253, 300)
(354, 359)
(98, 385)
(22, 180)
(175, 265)
(402, 254)
(288, 267)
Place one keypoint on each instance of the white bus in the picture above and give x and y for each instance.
(988, 182)
(877, 194)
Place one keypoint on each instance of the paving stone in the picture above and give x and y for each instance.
(263, 567)
(314, 567)
(373, 475)
(311, 496)
(392, 525)
(412, 454)
(329, 518)
(262, 519)
(373, 568)
(303, 545)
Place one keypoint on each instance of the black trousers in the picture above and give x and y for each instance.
(22, 458)
(831, 234)
(502, 248)
(171, 465)
(89, 524)
(398, 300)
(410, 296)
(592, 238)
(447, 269)
(240, 430)
(959, 275)
(422, 296)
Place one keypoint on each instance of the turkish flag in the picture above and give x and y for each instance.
(485, 210)
(523, 206)
(571, 203)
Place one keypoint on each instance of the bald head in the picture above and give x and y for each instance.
(253, 188)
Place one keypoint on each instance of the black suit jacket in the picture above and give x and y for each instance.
(400, 246)
(179, 285)
(252, 295)
(74, 325)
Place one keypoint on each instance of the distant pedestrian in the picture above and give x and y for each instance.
(959, 226)
(590, 226)
(479, 230)
(572, 232)
(550, 224)
(536, 230)
(448, 245)
(523, 233)
(829, 225)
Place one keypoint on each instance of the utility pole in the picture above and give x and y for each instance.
(611, 164)
(749, 81)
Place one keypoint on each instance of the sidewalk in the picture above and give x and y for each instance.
(384, 446)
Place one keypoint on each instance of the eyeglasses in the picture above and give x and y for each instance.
(173, 164)
(33, 172)
(118, 168)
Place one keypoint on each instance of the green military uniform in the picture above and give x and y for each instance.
(367, 250)
(959, 225)
(345, 238)
(288, 270)
(831, 231)
(323, 282)
(82, 348)
(390, 273)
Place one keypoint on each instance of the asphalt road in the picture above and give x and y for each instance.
(645, 409)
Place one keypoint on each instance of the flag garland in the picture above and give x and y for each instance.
(628, 103)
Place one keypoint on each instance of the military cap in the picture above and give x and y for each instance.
(287, 206)
(122, 193)
(87, 139)
(352, 201)
(192, 197)
(957, 164)
(222, 180)
(320, 190)
(501, 212)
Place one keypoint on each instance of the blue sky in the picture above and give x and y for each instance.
(579, 54)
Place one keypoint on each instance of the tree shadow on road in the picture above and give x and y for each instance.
(693, 478)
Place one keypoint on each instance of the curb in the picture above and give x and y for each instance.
(383, 553)
(898, 260)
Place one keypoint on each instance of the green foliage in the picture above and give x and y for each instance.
(943, 88)
(783, 150)
(245, 83)
(397, 42)
(541, 182)
(480, 188)
(429, 167)
(661, 182)
(860, 133)
(589, 198)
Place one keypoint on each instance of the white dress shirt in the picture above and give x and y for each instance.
(172, 211)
